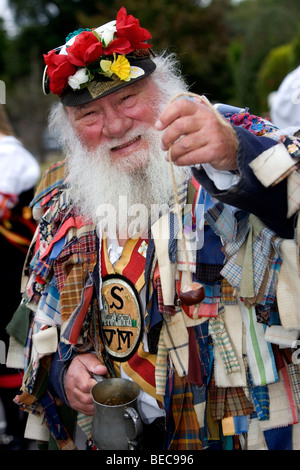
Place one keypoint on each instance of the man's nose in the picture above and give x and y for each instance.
(115, 124)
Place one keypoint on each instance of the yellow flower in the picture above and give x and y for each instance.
(106, 67)
(121, 68)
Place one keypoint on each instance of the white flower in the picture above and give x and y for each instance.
(136, 72)
(80, 77)
(107, 31)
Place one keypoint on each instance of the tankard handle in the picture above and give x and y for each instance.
(99, 378)
(131, 413)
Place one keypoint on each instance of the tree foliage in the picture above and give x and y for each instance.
(276, 66)
(272, 23)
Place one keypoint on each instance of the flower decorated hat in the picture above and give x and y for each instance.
(94, 63)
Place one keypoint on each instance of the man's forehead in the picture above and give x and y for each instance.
(113, 96)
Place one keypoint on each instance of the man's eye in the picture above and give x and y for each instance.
(126, 97)
(87, 114)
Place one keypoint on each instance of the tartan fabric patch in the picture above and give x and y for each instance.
(230, 401)
(208, 272)
(227, 293)
(294, 374)
(228, 222)
(163, 309)
(77, 316)
(70, 294)
(186, 427)
(261, 249)
(177, 342)
(50, 302)
(53, 179)
(212, 292)
(269, 296)
(260, 398)
(237, 404)
(43, 268)
(77, 252)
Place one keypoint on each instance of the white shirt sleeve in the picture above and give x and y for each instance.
(223, 180)
(19, 170)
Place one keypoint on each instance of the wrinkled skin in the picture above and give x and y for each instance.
(196, 134)
(80, 381)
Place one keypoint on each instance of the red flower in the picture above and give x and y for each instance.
(59, 69)
(85, 49)
(118, 45)
(129, 27)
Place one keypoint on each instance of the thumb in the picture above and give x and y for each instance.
(92, 364)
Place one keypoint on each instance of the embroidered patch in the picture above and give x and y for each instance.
(121, 318)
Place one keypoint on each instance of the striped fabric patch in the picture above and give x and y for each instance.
(141, 369)
(222, 341)
(259, 352)
(161, 368)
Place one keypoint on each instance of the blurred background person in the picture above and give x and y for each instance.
(285, 102)
(19, 172)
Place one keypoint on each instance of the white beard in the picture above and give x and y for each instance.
(120, 201)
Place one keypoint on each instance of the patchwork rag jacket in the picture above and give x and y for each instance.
(226, 371)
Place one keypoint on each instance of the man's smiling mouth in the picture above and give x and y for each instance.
(126, 144)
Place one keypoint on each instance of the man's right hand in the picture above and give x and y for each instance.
(79, 382)
(196, 133)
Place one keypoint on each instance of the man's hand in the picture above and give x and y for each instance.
(197, 133)
(79, 382)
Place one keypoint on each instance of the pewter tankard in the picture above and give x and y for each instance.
(117, 424)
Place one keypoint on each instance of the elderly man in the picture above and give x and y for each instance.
(137, 271)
